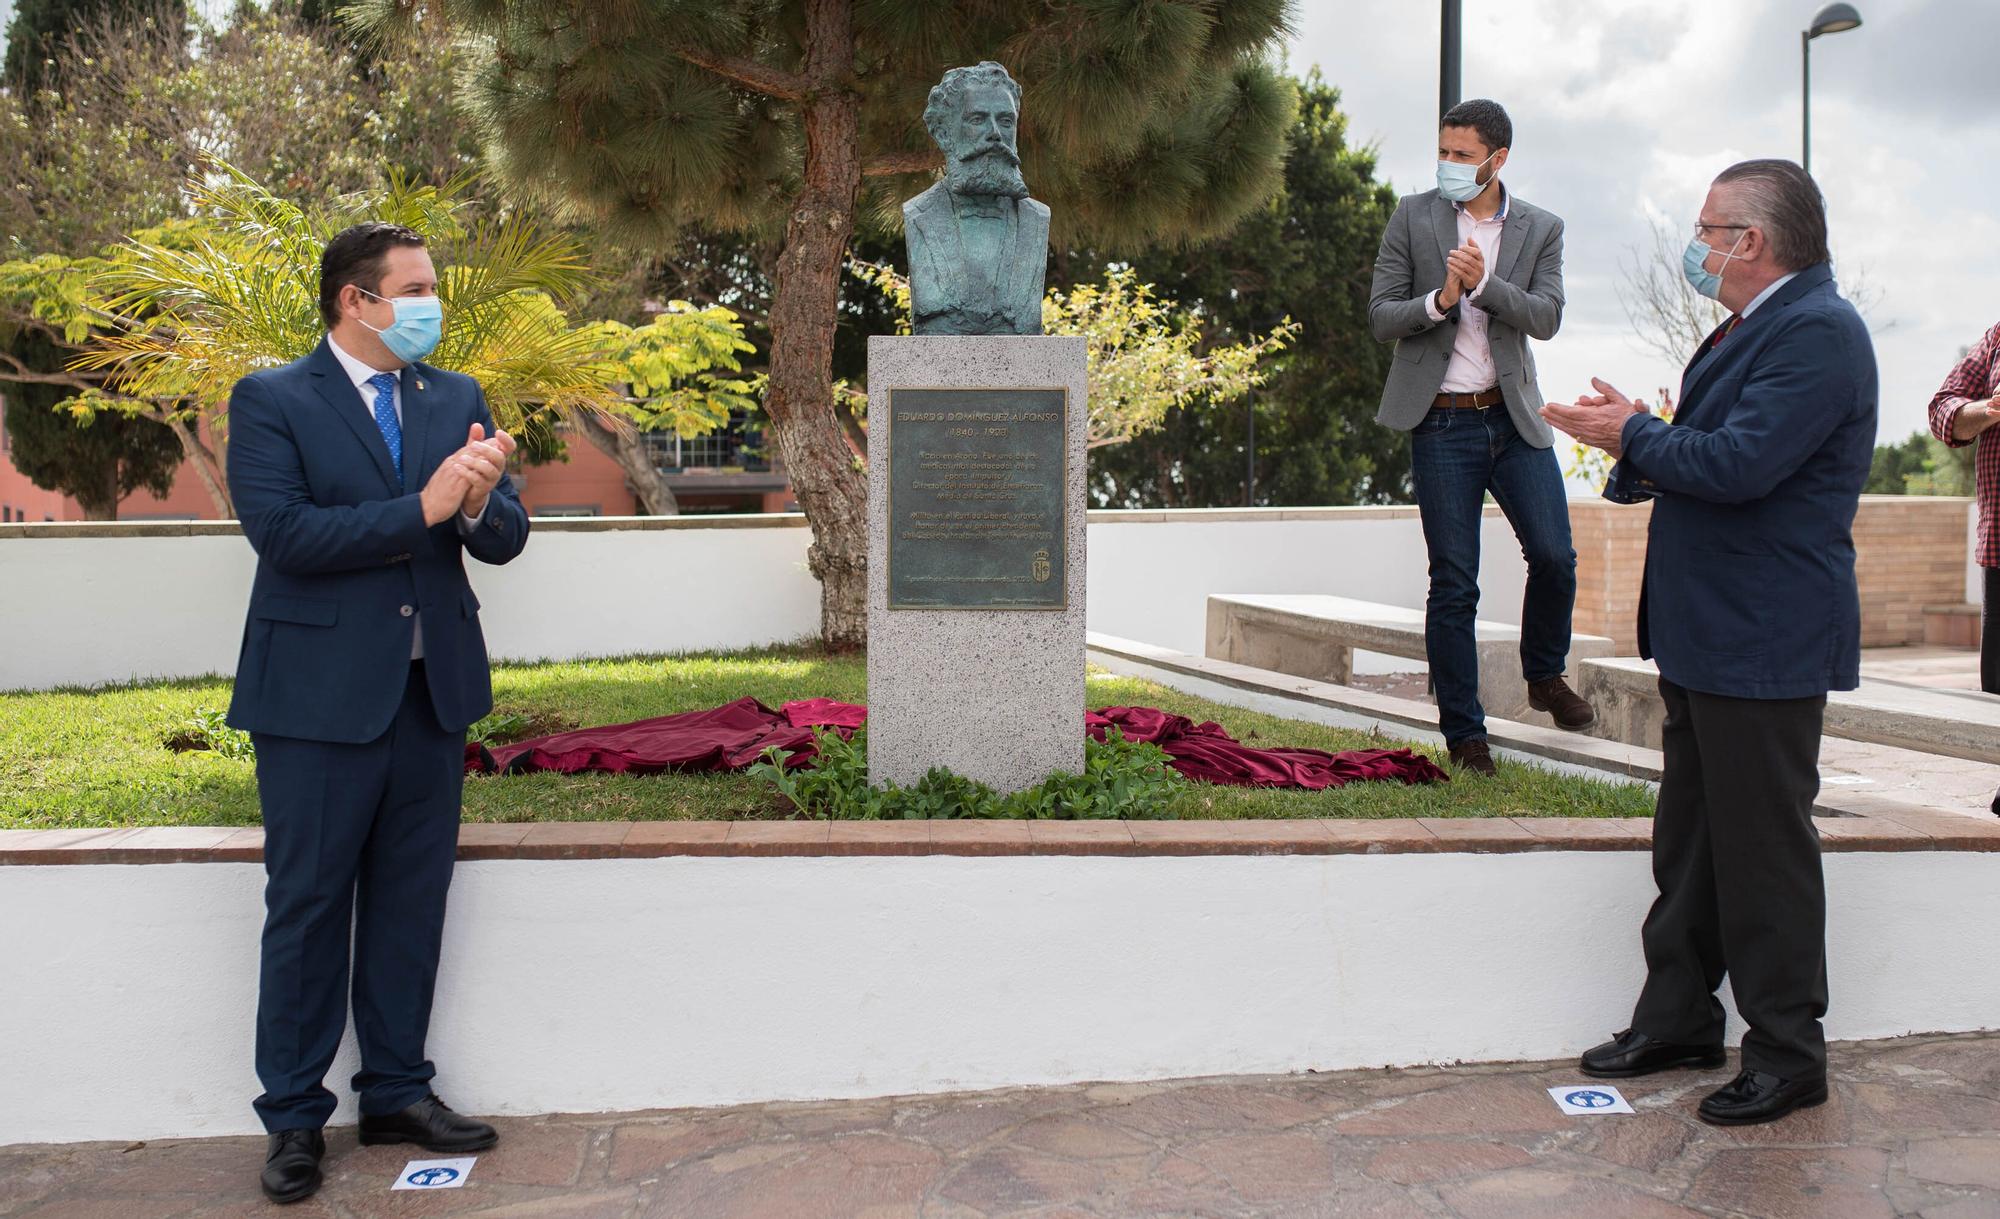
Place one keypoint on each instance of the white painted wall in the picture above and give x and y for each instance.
(1150, 580)
(625, 984)
(86, 610)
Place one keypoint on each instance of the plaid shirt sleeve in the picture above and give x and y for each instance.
(1972, 381)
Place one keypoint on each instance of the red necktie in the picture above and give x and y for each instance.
(1727, 326)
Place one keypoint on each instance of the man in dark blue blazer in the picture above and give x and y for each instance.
(362, 477)
(1750, 608)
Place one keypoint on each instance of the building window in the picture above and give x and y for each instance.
(571, 510)
(737, 446)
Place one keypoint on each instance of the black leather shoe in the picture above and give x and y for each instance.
(1633, 1053)
(1563, 704)
(1473, 755)
(291, 1165)
(1759, 1096)
(431, 1125)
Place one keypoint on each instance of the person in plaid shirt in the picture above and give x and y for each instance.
(1967, 405)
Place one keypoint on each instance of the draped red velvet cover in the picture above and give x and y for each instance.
(733, 736)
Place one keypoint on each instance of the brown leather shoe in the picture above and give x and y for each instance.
(1473, 755)
(1565, 705)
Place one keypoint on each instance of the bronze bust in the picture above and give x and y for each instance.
(978, 245)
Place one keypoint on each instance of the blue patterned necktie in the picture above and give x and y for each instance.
(385, 418)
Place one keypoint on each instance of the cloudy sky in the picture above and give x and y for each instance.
(1623, 108)
(1627, 108)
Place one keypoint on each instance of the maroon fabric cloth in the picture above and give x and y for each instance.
(1207, 753)
(733, 736)
(729, 737)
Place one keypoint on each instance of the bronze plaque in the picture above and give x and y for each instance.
(976, 505)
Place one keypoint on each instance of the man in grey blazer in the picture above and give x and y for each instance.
(1466, 275)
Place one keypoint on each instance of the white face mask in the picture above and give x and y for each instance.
(1694, 265)
(1460, 183)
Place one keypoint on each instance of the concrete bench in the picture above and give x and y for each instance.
(1952, 723)
(1313, 636)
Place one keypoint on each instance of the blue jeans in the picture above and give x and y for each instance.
(1456, 458)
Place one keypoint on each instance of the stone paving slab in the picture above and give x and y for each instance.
(1912, 1130)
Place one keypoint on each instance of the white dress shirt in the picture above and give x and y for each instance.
(1471, 369)
(359, 373)
(1767, 293)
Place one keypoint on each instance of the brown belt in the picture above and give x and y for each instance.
(1470, 402)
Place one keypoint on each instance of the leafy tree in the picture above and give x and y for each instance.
(99, 465)
(1141, 122)
(1307, 254)
(133, 100)
(1146, 355)
(172, 318)
(131, 108)
(40, 29)
(1922, 465)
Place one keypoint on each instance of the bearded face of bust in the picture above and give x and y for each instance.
(974, 119)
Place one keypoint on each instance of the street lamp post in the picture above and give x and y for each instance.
(1833, 19)
(1451, 35)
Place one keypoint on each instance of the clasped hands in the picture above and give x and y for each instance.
(1597, 420)
(1464, 271)
(463, 480)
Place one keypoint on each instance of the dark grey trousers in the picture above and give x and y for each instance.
(1989, 635)
(1736, 858)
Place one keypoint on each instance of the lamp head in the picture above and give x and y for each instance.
(1833, 19)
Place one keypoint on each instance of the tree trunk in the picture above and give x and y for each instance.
(101, 502)
(205, 464)
(825, 474)
(619, 440)
(857, 435)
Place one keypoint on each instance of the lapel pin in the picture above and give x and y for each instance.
(420, 385)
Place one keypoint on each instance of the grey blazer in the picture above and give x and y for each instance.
(1523, 299)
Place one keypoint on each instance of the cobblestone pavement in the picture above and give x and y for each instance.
(1913, 1129)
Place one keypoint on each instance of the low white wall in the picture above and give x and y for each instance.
(84, 609)
(1151, 573)
(626, 984)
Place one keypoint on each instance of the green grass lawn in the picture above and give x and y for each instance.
(99, 758)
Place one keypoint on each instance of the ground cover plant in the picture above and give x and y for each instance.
(156, 753)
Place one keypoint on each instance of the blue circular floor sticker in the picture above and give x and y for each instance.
(432, 1178)
(1589, 1099)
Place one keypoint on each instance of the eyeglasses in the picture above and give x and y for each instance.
(1700, 228)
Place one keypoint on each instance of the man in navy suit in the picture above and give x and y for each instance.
(362, 477)
(1751, 610)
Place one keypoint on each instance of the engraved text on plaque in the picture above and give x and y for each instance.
(976, 498)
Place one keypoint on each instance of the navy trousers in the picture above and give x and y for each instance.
(359, 841)
(1456, 457)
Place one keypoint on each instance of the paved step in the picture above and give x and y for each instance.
(1952, 723)
(1309, 635)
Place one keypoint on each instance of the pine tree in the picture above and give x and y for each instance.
(99, 465)
(1308, 255)
(791, 120)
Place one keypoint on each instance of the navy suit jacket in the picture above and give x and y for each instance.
(344, 559)
(1749, 589)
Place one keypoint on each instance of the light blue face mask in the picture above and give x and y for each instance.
(1460, 183)
(418, 326)
(1694, 265)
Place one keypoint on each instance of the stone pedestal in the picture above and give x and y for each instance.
(976, 605)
